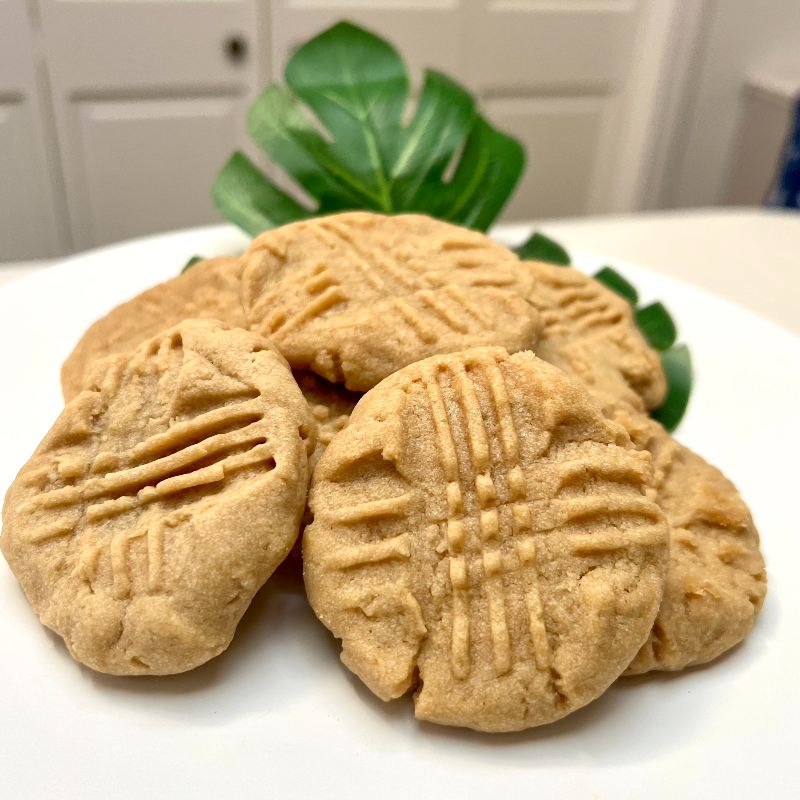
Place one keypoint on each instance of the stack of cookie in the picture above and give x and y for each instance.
(493, 521)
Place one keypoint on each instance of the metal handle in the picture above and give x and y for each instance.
(236, 49)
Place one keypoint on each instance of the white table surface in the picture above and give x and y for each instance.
(750, 256)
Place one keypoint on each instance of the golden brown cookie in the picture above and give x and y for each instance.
(210, 289)
(589, 333)
(330, 403)
(356, 296)
(162, 498)
(716, 582)
(481, 534)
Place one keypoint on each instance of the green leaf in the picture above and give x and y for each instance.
(614, 281)
(541, 248)
(244, 196)
(487, 172)
(443, 119)
(677, 365)
(337, 129)
(278, 125)
(191, 262)
(356, 84)
(657, 326)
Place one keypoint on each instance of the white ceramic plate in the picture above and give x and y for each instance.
(278, 716)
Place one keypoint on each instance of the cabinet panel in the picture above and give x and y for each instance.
(14, 44)
(33, 221)
(97, 43)
(27, 227)
(150, 100)
(561, 138)
(149, 164)
(534, 46)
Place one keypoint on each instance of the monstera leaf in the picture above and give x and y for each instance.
(337, 129)
(541, 248)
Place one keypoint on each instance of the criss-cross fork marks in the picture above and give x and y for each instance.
(317, 283)
(483, 500)
(255, 452)
(120, 559)
(496, 496)
(425, 302)
(241, 445)
(377, 268)
(581, 306)
(427, 313)
(193, 453)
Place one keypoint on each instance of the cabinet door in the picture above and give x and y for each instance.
(574, 80)
(32, 221)
(149, 164)
(150, 99)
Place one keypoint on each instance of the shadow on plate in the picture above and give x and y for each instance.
(255, 675)
(637, 719)
(281, 655)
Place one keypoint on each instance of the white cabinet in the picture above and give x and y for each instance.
(562, 137)
(115, 115)
(32, 214)
(150, 99)
(558, 48)
(148, 165)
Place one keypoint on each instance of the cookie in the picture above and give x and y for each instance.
(481, 535)
(716, 582)
(590, 333)
(354, 297)
(162, 498)
(330, 404)
(210, 289)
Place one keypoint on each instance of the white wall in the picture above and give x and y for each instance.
(742, 38)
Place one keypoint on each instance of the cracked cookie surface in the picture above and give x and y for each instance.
(482, 535)
(716, 582)
(210, 289)
(356, 296)
(330, 404)
(162, 498)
